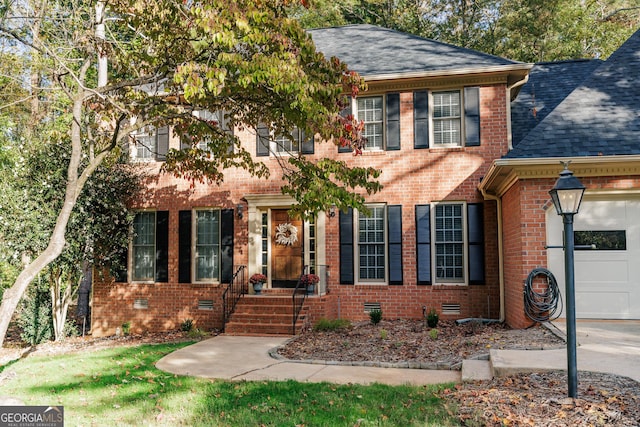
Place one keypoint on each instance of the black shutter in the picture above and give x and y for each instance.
(344, 113)
(162, 138)
(421, 119)
(472, 116)
(394, 245)
(346, 247)
(475, 230)
(423, 244)
(306, 144)
(262, 140)
(184, 247)
(226, 245)
(393, 121)
(162, 246)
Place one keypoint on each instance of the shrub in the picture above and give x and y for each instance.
(383, 334)
(35, 317)
(187, 325)
(433, 334)
(126, 328)
(331, 324)
(432, 318)
(375, 316)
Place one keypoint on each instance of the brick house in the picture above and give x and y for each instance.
(587, 112)
(456, 227)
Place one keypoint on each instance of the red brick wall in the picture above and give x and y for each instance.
(409, 177)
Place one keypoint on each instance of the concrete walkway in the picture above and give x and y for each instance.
(610, 346)
(603, 346)
(247, 358)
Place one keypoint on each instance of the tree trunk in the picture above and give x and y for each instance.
(60, 301)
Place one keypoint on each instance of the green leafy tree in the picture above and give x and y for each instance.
(246, 58)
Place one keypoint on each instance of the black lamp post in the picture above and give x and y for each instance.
(567, 195)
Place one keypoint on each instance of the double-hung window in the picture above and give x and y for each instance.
(288, 144)
(151, 143)
(447, 117)
(370, 111)
(449, 242)
(144, 246)
(207, 245)
(372, 245)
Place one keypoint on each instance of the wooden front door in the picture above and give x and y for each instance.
(286, 245)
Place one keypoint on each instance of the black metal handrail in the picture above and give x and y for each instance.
(298, 297)
(235, 289)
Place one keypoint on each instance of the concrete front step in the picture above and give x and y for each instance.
(476, 370)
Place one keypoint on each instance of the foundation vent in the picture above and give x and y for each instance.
(450, 308)
(205, 304)
(141, 304)
(371, 306)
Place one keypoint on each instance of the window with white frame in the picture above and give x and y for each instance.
(372, 245)
(447, 118)
(151, 143)
(449, 242)
(370, 111)
(288, 144)
(216, 119)
(207, 245)
(144, 246)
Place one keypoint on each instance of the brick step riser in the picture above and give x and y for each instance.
(264, 310)
(269, 319)
(240, 328)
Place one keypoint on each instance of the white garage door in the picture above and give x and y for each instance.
(608, 278)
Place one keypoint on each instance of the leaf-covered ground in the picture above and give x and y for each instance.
(538, 399)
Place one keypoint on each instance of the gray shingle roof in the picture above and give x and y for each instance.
(375, 51)
(601, 117)
(549, 84)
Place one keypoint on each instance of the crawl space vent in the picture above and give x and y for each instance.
(370, 306)
(141, 303)
(450, 308)
(205, 304)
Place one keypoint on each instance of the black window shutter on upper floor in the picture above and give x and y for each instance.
(162, 246)
(162, 137)
(307, 144)
(393, 121)
(475, 230)
(423, 244)
(226, 245)
(184, 247)
(421, 119)
(346, 247)
(394, 244)
(345, 113)
(472, 116)
(262, 140)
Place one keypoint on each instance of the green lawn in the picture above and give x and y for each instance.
(121, 386)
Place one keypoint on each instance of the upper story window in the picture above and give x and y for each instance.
(151, 144)
(448, 118)
(370, 111)
(296, 142)
(216, 119)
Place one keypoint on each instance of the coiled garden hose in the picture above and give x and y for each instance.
(542, 306)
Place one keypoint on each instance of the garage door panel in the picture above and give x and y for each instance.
(603, 305)
(602, 271)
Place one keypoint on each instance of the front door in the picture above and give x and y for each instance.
(286, 254)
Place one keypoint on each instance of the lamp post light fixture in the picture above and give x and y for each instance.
(566, 195)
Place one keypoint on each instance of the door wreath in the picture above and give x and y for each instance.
(286, 234)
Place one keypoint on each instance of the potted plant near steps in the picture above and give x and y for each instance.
(258, 280)
(309, 282)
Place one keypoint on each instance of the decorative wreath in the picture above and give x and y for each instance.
(286, 234)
